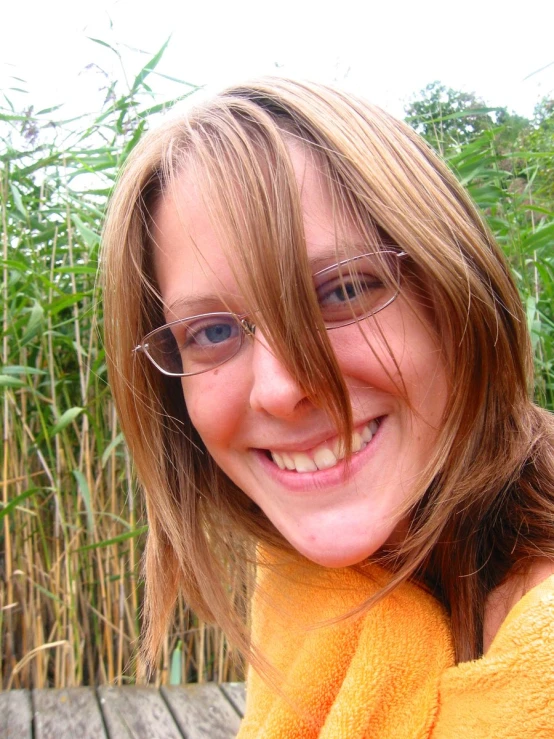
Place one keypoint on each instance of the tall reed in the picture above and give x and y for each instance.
(72, 524)
(514, 191)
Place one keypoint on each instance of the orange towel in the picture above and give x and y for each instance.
(372, 676)
(389, 673)
(508, 693)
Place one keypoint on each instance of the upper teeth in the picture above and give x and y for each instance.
(326, 455)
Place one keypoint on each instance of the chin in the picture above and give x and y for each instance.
(336, 557)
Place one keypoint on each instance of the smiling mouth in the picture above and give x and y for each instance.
(326, 455)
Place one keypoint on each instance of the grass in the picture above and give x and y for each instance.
(72, 523)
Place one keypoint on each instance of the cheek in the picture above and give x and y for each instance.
(214, 406)
(370, 361)
(400, 356)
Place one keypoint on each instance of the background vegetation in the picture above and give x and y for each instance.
(71, 521)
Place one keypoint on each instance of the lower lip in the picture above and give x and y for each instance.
(338, 475)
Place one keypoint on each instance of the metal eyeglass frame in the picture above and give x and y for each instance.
(248, 328)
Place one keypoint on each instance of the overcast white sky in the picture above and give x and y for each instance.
(385, 50)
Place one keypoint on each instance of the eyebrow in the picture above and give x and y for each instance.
(196, 304)
(328, 258)
(335, 254)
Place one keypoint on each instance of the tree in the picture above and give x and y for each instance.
(448, 118)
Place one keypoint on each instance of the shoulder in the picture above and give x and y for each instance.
(508, 594)
(507, 693)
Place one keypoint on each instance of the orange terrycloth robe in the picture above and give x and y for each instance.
(508, 693)
(375, 675)
(390, 673)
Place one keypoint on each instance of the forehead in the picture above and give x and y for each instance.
(193, 254)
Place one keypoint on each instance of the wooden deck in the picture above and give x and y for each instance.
(205, 711)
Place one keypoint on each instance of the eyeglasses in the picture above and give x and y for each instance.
(347, 292)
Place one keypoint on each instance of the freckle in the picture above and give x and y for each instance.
(216, 372)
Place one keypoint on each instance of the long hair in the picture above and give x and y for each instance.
(485, 503)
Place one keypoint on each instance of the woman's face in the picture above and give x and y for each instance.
(250, 407)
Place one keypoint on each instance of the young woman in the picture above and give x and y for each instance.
(320, 361)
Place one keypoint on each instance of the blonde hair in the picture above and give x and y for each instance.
(486, 501)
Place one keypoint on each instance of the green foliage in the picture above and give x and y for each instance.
(448, 118)
(507, 164)
(539, 139)
(72, 531)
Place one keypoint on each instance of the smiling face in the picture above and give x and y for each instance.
(259, 425)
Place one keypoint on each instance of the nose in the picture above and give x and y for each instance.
(273, 390)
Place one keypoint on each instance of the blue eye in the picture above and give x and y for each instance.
(207, 333)
(190, 346)
(220, 332)
(358, 287)
(346, 295)
(347, 291)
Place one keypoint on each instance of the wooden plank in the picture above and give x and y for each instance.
(136, 713)
(67, 714)
(236, 693)
(202, 711)
(15, 714)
